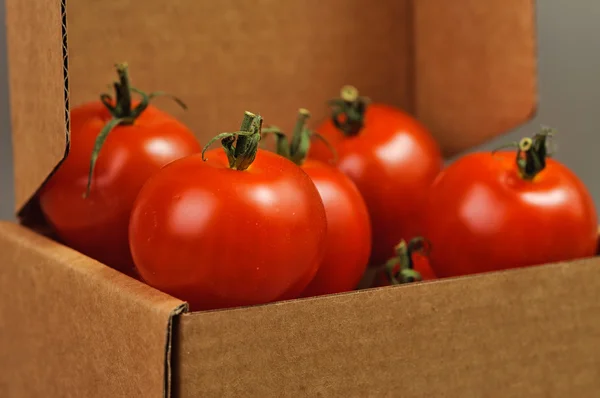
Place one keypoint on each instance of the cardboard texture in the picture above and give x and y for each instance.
(34, 37)
(475, 68)
(70, 326)
(466, 68)
(527, 333)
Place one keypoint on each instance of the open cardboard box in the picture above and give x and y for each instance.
(70, 326)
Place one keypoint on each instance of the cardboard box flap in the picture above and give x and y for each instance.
(475, 68)
(526, 333)
(97, 332)
(38, 92)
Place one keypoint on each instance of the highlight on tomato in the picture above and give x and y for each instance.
(410, 264)
(232, 227)
(492, 211)
(348, 240)
(116, 144)
(391, 157)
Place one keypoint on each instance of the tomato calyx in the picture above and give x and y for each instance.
(122, 112)
(297, 149)
(348, 111)
(532, 153)
(400, 269)
(240, 146)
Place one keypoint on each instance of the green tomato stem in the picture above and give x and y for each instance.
(300, 137)
(400, 269)
(297, 150)
(122, 113)
(352, 107)
(240, 146)
(532, 153)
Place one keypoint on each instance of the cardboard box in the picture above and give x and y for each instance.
(72, 327)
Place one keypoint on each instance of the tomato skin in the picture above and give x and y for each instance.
(423, 267)
(483, 216)
(392, 161)
(348, 241)
(97, 225)
(218, 237)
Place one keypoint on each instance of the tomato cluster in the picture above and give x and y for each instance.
(242, 225)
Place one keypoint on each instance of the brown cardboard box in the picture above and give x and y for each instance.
(72, 327)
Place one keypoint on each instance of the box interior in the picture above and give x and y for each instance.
(465, 68)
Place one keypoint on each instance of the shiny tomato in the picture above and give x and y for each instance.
(495, 211)
(241, 228)
(88, 205)
(348, 241)
(348, 233)
(410, 264)
(391, 158)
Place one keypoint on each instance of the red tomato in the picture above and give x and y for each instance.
(410, 264)
(391, 158)
(97, 225)
(489, 212)
(240, 228)
(348, 231)
(348, 241)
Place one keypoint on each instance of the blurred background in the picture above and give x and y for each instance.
(569, 93)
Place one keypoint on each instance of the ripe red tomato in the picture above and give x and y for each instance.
(410, 264)
(137, 147)
(494, 211)
(240, 228)
(348, 241)
(391, 158)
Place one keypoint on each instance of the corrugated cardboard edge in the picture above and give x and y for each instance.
(96, 332)
(532, 332)
(183, 308)
(29, 213)
(39, 91)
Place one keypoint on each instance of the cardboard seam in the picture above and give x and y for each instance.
(183, 308)
(65, 49)
(31, 206)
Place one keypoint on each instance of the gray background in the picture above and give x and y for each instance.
(569, 72)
